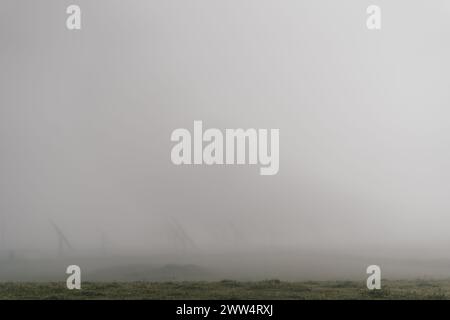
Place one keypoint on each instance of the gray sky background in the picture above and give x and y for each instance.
(86, 118)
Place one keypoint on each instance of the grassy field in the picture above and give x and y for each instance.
(228, 289)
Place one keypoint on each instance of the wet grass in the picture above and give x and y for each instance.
(230, 289)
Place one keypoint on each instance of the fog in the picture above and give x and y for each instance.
(86, 118)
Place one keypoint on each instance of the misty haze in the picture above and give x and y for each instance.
(86, 119)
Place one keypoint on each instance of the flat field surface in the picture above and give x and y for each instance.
(229, 289)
